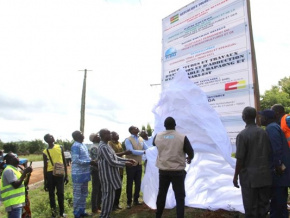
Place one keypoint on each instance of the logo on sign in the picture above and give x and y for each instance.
(174, 18)
(171, 52)
(235, 85)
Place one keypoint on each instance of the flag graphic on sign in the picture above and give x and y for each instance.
(235, 85)
(174, 18)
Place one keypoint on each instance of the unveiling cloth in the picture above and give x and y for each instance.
(208, 182)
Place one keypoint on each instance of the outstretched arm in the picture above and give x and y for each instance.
(65, 166)
(129, 147)
(109, 157)
(17, 183)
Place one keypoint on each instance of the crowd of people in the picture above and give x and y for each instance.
(103, 164)
(263, 162)
(262, 168)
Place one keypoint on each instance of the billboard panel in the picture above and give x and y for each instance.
(210, 39)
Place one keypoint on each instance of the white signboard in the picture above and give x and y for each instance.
(210, 39)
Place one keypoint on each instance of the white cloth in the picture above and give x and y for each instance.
(208, 182)
(149, 144)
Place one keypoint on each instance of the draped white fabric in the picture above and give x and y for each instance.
(209, 177)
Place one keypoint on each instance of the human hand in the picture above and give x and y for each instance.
(128, 163)
(45, 186)
(235, 182)
(188, 160)
(94, 163)
(27, 170)
(134, 162)
(279, 170)
(65, 180)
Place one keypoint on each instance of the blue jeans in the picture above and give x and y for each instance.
(15, 213)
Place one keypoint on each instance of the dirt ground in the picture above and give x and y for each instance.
(36, 178)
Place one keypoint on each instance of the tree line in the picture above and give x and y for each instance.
(37, 146)
(278, 94)
(31, 147)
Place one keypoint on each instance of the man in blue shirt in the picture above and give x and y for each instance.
(81, 174)
(137, 146)
(280, 164)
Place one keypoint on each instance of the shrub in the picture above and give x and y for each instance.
(10, 146)
(23, 147)
(36, 146)
(66, 144)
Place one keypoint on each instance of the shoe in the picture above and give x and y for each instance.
(63, 215)
(53, 213)
(129, 206)
(138, 203)
(118, 207)
(85, 215)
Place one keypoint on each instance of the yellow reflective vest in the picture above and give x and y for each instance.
(12, 196)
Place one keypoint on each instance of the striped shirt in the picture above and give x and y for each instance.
(109, 164)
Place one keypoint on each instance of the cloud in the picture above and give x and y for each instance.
(43, 56)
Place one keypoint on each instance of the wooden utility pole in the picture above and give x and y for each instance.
(254, 65)
(83, 102)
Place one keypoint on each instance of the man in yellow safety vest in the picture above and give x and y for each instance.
(12, 187)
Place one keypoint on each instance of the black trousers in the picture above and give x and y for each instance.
(134, 174)
(256, 201)
(118, 194)
(56, 182)
(177, 179)
(96, 196)
(278, 205)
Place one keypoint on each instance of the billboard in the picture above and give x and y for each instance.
(211, 40)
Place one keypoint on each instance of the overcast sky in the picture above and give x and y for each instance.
(44, 45)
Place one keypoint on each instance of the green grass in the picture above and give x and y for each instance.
(40, 208)
(32, 157)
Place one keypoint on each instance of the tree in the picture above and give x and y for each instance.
(66, 144)
(285, 85)
(1, 144)
(149, 130)
(10, 146)
(277, 95)
(36, 146)
(23, 147)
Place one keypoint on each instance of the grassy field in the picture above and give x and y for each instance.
(32, 157)
(40, 207)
